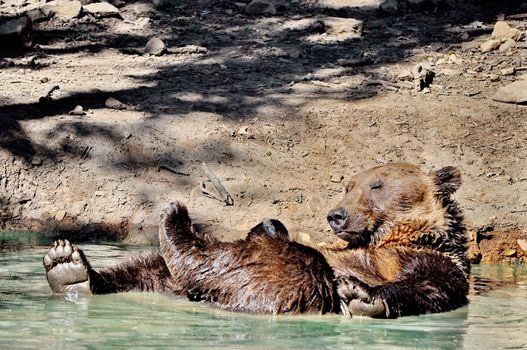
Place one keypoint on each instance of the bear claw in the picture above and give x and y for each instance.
(67, 270)
(356, 300)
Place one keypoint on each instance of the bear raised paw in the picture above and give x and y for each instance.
(67, 269)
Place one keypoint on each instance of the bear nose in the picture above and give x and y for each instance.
(337, 218)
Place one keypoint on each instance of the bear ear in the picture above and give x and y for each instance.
(448, 179)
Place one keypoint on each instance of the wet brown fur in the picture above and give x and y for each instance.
(262, 273)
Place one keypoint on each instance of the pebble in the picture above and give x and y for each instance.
(260, 7)
(509, 252)
(489, 45)
(494, 77)
(155, 46)
(405, 75)
(101, 9)
(114, 103)
(59, 216)
(78, 110)
(67, 10)
(512, 93)
(507, 45)
(336, 178)
(390, 7)
(522, 243)
(508, 71)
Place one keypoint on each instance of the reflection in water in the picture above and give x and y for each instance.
(31, 318)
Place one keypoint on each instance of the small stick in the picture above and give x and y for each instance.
(163, 165)
(225, 196)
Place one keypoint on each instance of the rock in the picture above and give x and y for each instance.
(78, 110)
(522, 243)
(59, 216)
(494, 77)
(38, 14)
(489, 45)
(502, 31)
(304, 237)
(346, 27)
(405, 75)
(114, 103)
(508, 71)
(188, 50)
(16, 32)
(260, 7)
(102, 9)
(390, 7)
(509, 252)
(513, 93)
(450, 72)
(336, 178)
(244, 131)
(36, 161)
(67, 10)
(155, 46)
(507, 45)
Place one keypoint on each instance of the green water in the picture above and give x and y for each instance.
(30, 318)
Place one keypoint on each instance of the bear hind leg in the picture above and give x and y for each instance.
(67, 269)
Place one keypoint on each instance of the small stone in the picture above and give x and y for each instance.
(244, 131)
(37, 15)
(15, 32)
(508, 71)
(260, 7)
(509, 252)
(67, 10)
(78, 110)
(512, 93)
(502, 31)
(336, 178)
(494, 77)
(507, 45)
(37, 161)
(489, 45)
(347, 27)
(101, 9)
(522, 243)
(304, 237)
(59, 216)
(390, 7)
(114, 103)
(155, 46)
(450, 72)
(405, 75)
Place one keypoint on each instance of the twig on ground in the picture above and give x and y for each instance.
(224, 196)
(166, 166)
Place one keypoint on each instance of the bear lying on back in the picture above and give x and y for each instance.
(406, 254)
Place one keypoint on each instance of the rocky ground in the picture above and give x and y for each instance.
(108, 111)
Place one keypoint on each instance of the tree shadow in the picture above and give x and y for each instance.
(251, 62)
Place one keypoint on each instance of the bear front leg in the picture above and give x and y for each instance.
(427, 282)
(358, 299)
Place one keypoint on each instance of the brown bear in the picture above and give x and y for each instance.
(405, 255)
(407, 244)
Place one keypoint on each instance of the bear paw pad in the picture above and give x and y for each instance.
(67, 269)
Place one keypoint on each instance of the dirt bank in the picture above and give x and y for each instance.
(280, 110)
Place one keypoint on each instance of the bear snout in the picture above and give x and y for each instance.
(338, 218)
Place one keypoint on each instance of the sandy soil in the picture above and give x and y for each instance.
(282, 113)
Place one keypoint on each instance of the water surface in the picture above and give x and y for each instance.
(31, 318)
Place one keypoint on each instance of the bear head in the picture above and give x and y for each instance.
(378, 199)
